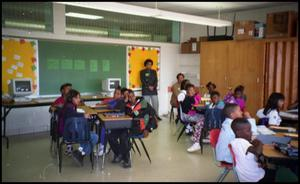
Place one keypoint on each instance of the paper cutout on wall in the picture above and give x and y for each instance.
(105, 65)
(17, 54)
(66, 64)
(52, 64)
(79, 64)
(135, 63)
(93, 65)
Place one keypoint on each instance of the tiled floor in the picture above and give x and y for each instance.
(29, 159)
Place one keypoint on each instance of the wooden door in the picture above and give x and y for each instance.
(282, 69)
(213, 62)
(245, 67)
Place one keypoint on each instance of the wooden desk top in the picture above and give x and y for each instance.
(104, 110)
(283, 128)
(120, 118)
(270, 152)
(87, 109)
(99, 106)
(44, 101)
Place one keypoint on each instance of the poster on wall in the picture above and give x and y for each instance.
(136, 55)
(19, 60)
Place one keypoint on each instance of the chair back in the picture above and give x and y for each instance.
(214, 136)
(76, 130)
(233, 162)
(232, 155)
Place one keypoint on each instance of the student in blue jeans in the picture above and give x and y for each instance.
(69, 111)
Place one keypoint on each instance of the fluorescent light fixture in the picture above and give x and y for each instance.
(150, 12)
(24, 25)
(86, 31)
(83, 16)
(135, 35)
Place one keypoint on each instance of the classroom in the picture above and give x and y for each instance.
(149, 91)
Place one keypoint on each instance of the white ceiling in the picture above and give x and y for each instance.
(207, 8)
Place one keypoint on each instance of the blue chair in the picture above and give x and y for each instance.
(140, 138)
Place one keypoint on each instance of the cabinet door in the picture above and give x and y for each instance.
(245, 67)
(213, 62)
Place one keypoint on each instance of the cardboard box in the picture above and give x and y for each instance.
(281, 24)
(203, 38)
(244, 30)
(190, 48)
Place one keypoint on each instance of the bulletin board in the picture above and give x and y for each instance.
(136, 55)
(19, 60)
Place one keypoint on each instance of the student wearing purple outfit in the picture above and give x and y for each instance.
(237, 97)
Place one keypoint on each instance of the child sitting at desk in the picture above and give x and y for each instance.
(117, 103)
(237, 97)
(56, 107)
(270, 114)
(70, 110)
(247, 154)
(59, 102)
(214, 112)
(210, 88)
(231, 112)
(191, 116)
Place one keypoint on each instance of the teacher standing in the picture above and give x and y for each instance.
(149, 85)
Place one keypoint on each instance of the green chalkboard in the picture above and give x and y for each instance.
(84, 65)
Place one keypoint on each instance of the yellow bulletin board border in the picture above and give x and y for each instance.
(136, 55)
(20, 60)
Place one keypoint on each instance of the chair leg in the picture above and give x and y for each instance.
(171, 114)
(180, 134)
(131, 146)
(223, 175)
(137, 148)
(92, 156)
(60, 155)
(201, 140)
(145, 149)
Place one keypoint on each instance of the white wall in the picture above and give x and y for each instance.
(190, 62)
(28, 120)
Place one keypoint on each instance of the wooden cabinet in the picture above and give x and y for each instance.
(262, 66)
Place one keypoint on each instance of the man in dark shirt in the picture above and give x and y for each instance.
(149, 84)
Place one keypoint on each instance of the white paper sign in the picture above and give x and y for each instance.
(14, 67)
(20, 64)
(240, 31)
(17, 57)
(8, 81)
(19, 75)
(194, 46)
(250, 33)
(10, 71)
(3, 58)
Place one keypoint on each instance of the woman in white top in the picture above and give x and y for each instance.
(270, 114)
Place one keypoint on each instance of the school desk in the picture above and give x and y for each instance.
(36, 102)
(109, 123)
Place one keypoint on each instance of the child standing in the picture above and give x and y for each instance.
(69, 111)
(231, 112)
(190, 116)
(247, 154)
(270, 114)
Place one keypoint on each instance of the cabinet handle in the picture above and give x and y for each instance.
(257, 79)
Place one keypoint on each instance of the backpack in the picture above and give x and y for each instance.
(76, 129)
(213, 118)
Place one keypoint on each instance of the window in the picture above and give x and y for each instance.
(28, 15)
(87, 21)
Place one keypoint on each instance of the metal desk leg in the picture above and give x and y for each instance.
(104, 149)
(4, 127)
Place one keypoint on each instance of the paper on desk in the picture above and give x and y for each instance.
(80, 110)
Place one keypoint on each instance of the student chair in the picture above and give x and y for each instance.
(184, 123)
(214, 135)
(234, 162)
(54, 135)
(78, 141)
(140, 138)
(172, 113)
